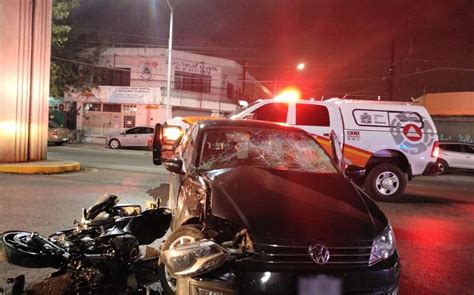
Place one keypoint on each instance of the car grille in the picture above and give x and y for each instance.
(340, 255)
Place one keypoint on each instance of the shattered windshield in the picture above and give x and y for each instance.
(270, 148)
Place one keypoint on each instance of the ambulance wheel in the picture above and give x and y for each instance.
(386, 182)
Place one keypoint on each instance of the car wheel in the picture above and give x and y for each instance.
(114, 144)
(386, 182)
(183, 235)
(443, 166)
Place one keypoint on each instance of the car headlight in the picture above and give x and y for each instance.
(383, 246)
(194, 258)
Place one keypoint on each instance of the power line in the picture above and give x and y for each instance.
(289, 81)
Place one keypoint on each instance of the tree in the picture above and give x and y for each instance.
(72, 61)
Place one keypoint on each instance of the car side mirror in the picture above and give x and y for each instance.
(354, 172)
(174, 165)
(165, 141)
(122, 133)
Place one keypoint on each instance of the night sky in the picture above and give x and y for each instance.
(346, 45)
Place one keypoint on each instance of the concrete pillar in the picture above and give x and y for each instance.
(25, 51)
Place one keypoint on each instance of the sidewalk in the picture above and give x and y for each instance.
(40, 167)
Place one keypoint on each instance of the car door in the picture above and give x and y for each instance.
(469, 150)
(142, 135)
(315, 119)
(452, 154)
(148, 135)
(129, 137)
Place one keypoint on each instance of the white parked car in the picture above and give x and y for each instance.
(455, 155)
(133, 137)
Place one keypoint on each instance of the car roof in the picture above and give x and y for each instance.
(455, 142)
(336, 100)
(247, 124)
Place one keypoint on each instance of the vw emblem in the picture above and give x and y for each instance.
(319, 253)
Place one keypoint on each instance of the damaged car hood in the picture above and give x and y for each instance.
(303, 207)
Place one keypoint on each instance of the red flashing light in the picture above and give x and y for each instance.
(288, 95)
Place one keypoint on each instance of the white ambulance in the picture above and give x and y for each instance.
(392, 141)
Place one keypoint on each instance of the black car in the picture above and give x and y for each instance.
(260, 208)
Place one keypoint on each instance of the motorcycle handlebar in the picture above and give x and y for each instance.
(35, 237)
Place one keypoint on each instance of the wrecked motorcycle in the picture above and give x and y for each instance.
(101, 253)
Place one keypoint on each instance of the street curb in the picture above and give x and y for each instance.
(41, 167)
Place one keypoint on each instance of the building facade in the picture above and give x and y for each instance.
(132, 91)
(452, 113)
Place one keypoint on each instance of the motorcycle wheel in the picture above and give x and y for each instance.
(18, 249)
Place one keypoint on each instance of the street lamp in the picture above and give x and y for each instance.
(168, 80)
(300, 66)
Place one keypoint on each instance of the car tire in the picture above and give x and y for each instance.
(443, 166)
(114, 144)
(188, 233)
(386, 182)
(58, 143)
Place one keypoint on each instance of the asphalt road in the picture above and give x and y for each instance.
(433, 226)
(100, 156)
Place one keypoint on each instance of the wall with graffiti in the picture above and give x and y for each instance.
(459, 129)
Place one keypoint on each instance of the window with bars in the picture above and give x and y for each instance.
(114, 108)
(192, 82)
(129, 121)
(129, 108)
(94, 107)
(115, 77)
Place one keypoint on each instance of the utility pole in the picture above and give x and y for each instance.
(168, 79)
(391, 71)
(244, 74)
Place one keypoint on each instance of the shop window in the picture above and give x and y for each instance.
(192, 82)
(114, 108)
(94, 107)
(311, 115)
(130, 108)
(115, 77)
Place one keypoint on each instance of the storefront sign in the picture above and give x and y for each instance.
(137, 95)
(194, 67)
(118, 94)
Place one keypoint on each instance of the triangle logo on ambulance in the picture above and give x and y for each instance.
(412, 132)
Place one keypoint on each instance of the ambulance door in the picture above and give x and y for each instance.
(316, 119)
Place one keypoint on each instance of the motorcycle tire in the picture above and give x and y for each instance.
(18, 251)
